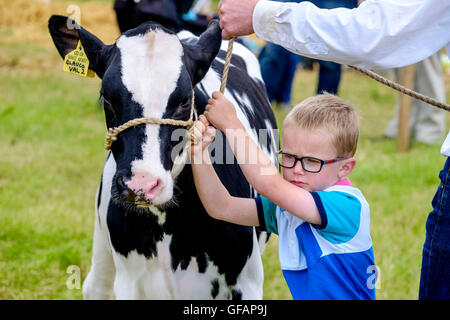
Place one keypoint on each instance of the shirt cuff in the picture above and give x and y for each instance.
(323, 215)
(260, 209)
(263, 18)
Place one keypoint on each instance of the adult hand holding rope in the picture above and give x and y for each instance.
(236, 18)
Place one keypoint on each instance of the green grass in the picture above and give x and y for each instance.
(51, 156)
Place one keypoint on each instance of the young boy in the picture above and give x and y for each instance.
(322, 222)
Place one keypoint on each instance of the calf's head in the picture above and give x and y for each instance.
(148, 73)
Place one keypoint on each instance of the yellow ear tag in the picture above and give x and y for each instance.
(77, 62)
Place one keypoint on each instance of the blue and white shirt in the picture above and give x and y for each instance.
(333, 260)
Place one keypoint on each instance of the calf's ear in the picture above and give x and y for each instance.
(66, 33)
(198, 57)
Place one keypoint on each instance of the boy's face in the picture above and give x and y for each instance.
(316, 144)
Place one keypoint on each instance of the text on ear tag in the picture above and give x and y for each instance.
(77, 62)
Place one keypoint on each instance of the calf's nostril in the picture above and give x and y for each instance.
(153, 187)
(123, 189)
(121, 183)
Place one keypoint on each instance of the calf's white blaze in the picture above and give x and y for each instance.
(151, 65)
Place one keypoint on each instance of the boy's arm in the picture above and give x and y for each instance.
(262, 174)
(216, 199)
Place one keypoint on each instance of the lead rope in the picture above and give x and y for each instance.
(226, 66)
(369, 73)
(223, 81)
(403, 89)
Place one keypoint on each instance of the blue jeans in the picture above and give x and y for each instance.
(329, 77)
(435, 274)
(278, 67)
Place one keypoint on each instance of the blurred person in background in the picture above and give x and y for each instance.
(175, 15)
(427, 125)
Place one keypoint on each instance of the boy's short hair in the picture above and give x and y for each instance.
(332, 114)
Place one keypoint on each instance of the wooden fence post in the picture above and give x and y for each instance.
(403, 136)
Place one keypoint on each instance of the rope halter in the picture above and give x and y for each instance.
(112, 133)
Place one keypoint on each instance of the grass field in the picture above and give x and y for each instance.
(51, 156)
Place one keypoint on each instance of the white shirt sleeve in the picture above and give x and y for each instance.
(377, 34)
(445, 149)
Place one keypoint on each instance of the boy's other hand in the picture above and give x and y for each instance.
(221, 112)
(202, 136)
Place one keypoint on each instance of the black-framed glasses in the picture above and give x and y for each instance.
(309, 164)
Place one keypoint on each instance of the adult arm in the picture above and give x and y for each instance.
(377, 34)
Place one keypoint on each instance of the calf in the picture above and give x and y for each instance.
(153, 238)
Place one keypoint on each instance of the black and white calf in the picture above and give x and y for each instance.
(173, 250)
